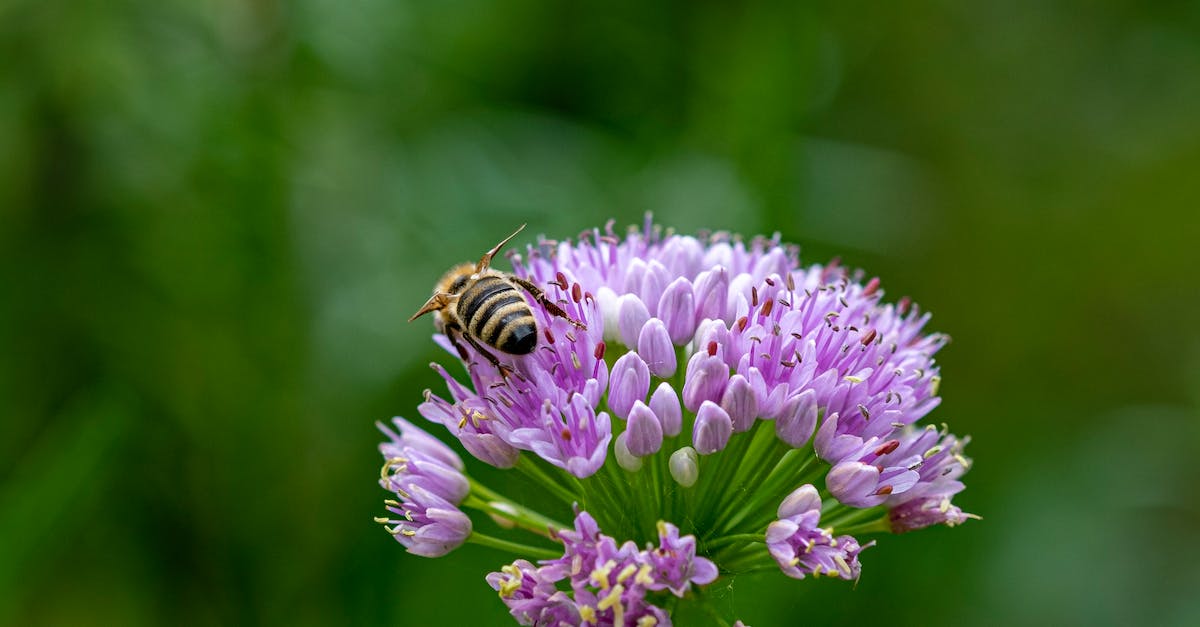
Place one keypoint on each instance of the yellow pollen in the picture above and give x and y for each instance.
(575, 361)
(853, 379)
(588, 614)
(600, 574)
(934, 383)
(647, 621)
(933, 451)
(513, 583)
(626, 573)
(841, 562)
(462, 422)
(382, 520)
(612, 598)
(643, 577)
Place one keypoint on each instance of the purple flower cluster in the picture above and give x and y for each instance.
(737, 379)
(802, 548)
(609, 582)
(428, 479)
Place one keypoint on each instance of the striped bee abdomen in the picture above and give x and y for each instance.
(494, 311)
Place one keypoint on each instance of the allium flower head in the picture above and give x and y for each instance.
(685, 398)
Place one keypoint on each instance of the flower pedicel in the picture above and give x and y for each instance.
(697, 406)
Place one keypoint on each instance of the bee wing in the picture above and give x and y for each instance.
(487, 257)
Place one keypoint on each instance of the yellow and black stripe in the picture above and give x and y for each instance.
(494, 312)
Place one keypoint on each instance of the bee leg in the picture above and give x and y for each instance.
(540, 296)
(487, 257)
(505, 371)
(437, 302)
(453, 332)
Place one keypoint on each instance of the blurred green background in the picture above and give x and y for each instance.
(217, 215)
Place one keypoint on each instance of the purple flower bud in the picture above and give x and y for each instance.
(797, 420)
(631, 315)
(706, 379)
(862, 485)
(832, 447)
(629, 382)
(635, 273)
(738, 401)
(645, 434)
(685, 466)
(653, 285)
(712, 293)
(683, 255)
(677, 309)
(853, 482)
(803, 499)
(665, 404)
(712, 430)
(654, 345)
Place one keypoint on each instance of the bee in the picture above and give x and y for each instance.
(483, 306)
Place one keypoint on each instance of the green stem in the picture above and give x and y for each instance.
(528, 465)
(523, 550)
(521, 516)
(741, 537)
(879, 525)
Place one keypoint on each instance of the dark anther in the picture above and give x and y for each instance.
(599, 352)
(868, 337)
(887, 447)
(712, 348)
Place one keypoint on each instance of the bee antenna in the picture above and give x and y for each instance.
(487, 257)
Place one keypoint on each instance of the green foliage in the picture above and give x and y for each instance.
(216, 217)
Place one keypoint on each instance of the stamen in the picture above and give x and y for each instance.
(887, 447)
